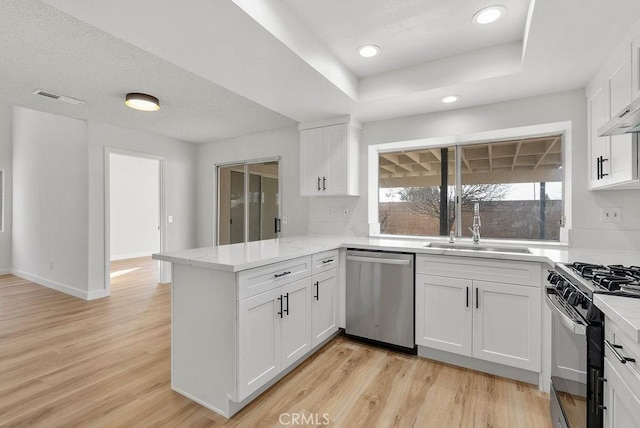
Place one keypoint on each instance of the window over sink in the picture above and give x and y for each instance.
(517, 183)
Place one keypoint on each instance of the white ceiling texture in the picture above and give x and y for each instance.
(224, 68)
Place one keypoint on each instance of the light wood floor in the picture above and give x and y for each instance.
(105, 363)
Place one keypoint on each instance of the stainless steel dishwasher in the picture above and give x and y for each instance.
(380, 297)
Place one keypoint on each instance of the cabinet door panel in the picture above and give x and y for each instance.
(623, 406)
(259, 341)
(296, 321)
(335, 144)
(506, 324)
(443, 319)
(324, 314)
(597, 106)
(311, 161)
(635, 67)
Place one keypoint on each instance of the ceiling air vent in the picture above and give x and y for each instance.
(58, 97)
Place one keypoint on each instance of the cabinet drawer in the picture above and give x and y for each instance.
(630, 371)
(503, 271)
(324, 261)
(265, 278)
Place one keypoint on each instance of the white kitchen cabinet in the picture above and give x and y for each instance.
(622, 405)
(460, 310)
(443, 313)
(259, 347)
(233, 334)
(329, 159)
(621, 383)
(635, 67)
(613, 160)
(274, 330)
(324, 306)
(506, 324)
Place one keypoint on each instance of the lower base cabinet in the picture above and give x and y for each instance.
(274, 330)
(324, 306)
(622, 406)
(487, 320)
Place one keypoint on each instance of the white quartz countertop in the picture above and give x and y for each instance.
(624, 311)
(238, 257)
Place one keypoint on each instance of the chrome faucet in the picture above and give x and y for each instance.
(476, 223)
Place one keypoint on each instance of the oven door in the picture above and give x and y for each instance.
(568, 364)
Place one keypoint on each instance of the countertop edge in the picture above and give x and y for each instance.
(612, 307)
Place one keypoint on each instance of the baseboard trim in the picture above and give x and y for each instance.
(496, 369)
(5, 271)
(63, 288)
(97, 294)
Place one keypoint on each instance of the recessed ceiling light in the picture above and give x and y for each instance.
(142, 102)
(450, 99)
(368, 51)
(489, 14)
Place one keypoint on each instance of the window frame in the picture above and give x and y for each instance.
(562, 128)
(216, 188)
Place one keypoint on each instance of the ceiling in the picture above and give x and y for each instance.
(225, 68)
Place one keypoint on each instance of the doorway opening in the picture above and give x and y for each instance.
(135, 232)
(248, 201)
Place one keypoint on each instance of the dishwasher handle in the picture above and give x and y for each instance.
(379, 260)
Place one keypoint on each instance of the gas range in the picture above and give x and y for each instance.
(600, 279)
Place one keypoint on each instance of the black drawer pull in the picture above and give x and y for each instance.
(324, 262)
(278, 275)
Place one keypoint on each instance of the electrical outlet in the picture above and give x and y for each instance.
(346, 211)
(285, 219)
(51, 264)
(611, 215)
(331, 211)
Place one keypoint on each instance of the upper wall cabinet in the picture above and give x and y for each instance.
(329, 158)
(613, 161)
(635, 67)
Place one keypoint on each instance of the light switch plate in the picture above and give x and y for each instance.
(611, 215)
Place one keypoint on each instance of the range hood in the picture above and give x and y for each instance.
(628, 120)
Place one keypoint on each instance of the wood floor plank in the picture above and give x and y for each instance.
(106, 363)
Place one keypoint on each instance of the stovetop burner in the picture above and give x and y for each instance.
(614, 279)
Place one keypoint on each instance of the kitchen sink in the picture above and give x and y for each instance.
(477, 247)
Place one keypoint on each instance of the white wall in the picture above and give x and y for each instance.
(587, 229)
(284, 143)
(134, 206)
(6, 125)
(50, 222)
(179, 181)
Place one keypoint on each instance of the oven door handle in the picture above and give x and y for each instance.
(565, 319)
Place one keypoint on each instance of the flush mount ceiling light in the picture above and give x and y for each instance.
(489, 14)
(368, 51)
(450, 99)
(142, 102)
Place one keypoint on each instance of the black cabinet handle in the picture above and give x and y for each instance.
(278, 275)
(317, 284)
(467, 297)
(324, 183)
(602, 161)
(280, 313)
(476, 297)
(318, 184)
(286, 296)
(324, 262)
(598, 167)
(277, 225)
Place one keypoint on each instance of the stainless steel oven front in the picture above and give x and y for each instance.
(576, 357)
